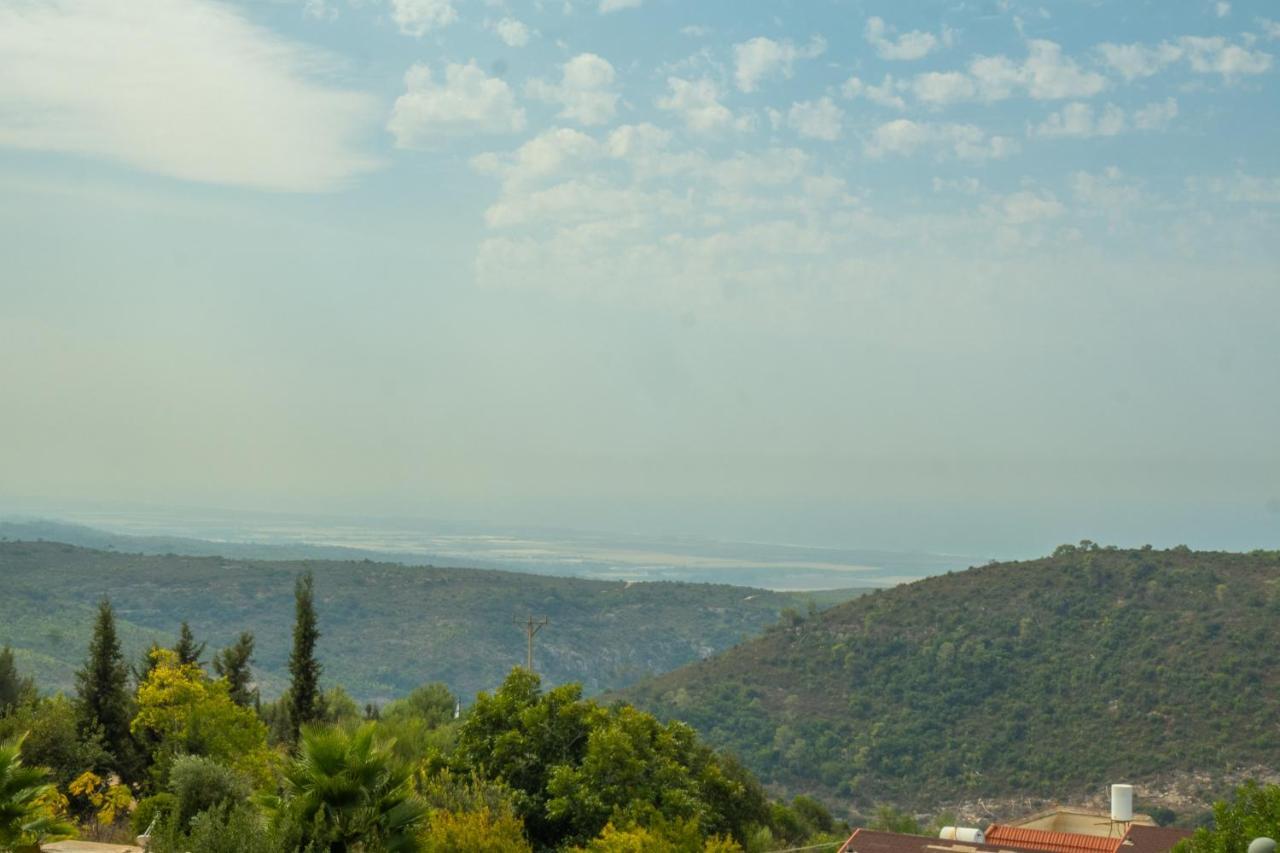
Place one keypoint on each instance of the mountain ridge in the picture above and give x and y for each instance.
(1042, 678)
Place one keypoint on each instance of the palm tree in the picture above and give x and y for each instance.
(349, 793)
(26, 818)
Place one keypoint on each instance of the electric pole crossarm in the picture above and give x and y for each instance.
(531, 629)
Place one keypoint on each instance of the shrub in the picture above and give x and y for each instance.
(162, 806)
(200, 783)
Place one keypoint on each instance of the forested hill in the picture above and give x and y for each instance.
(1050, 678)
(385, 628)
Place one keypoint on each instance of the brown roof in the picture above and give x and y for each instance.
(874, 841)
(1007, 839)
(1052, 842)
(1153, 839)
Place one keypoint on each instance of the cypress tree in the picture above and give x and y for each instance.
(304, 669)
(187, 650)
(145, 664)
(14, 689)
(102, 696)
(232, 663)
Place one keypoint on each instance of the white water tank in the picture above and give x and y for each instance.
(962, 833)
(1122, 803)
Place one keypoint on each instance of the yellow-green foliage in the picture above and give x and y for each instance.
(182, 711)
(482, 831)
(109, 801)
(679, 838)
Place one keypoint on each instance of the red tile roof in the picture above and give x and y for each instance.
(1052, 842)
(874, 841)
(1015, 839)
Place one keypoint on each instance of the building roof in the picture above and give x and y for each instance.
(1153, 839)
(1014, 839)
(874, 841)
(1051, 841)
(1084, 821)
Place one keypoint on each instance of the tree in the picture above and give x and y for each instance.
(1252, 812)
(233, 664)
(573, 767)
(102, 696)
(28, 804)
(199, 783)
(182, 712)
(433, 703)
(187, 650)
(348, 792)
(14, 689)
(304, 669)
(53, 740)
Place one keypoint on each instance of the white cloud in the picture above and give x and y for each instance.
(607, 6)
(1132, 61)
(698, 103)
(967, 185)
(585, 90)
(1202, 54)
(1024, 207)
(1156, 115)
(183, 88)
(512, 32)
(884, 94)
(419, 17)
(1248, 189)
(467, 101)
(962, 141)
(695, 31)
(943, 87)
(544, 157)
(1080, 120)
(1108, 193)
(1045, 74)
(820, 119)
(1271, 29)
(1222, 8)
(1215, 55)
(761, 58)
(908, 46)
(320, 10)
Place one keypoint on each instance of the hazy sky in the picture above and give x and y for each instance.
(879, 273)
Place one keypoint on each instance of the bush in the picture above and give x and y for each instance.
(225, 829)
(162, 806)
(200, 783)
(476, 832)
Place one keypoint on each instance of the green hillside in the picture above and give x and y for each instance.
(1044, 678)
(387, 628)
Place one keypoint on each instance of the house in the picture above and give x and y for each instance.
(1061, 830)
(1009, 838)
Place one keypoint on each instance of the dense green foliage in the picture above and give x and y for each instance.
(524, 769)
(234, 664)
(304, 669)
(387, 628)
(14, 687)
(102, 695)
(26, 817)
(1038, 678)
(1253, 812)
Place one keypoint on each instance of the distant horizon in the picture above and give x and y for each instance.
(1223, 527)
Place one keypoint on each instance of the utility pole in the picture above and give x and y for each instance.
(530, 628)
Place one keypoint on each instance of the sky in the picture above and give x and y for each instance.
(968, 275)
